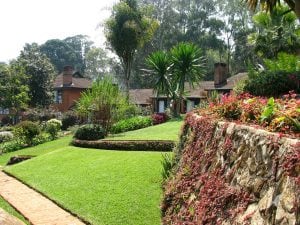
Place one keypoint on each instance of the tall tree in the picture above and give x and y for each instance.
(13, 88)
(97, 63)
(70, 51)
(40, 74)
(127, 30)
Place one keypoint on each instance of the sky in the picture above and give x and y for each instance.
(28, 21)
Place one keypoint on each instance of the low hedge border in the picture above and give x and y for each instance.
(128, 145)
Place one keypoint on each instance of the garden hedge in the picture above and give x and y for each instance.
(128, 145)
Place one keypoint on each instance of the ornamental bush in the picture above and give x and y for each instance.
(279, 115)
(69, 119)
(90, 132)
(53, 126)
(26, 131)
(159, 118)
(6, 136)
(133, 123)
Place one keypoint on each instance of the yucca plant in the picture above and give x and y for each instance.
(159, 65)
(188, 65)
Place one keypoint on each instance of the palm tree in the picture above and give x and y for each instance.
(269, 5)
(159, 65)
(187, 66)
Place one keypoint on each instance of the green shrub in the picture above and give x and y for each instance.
(90, 132)
(167, 164)
(69, 119)
(6, 136)
(41, 138)
(272, 83)
(12, 146)
(136, 145)
(131, 124)
(53, 126)
(26, 131)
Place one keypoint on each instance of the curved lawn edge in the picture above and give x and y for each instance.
(127, 145)
(47, 197)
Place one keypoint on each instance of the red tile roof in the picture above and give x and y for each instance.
(141, 96)
(76, 83)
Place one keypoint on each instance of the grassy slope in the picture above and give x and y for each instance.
(165, 131)
(37, 150)
(104, 187)
(4, 205)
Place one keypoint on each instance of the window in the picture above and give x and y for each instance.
(58, 97)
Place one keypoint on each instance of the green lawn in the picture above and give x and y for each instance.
(103, 187)
(4, 205)
(37, 150)
(165, 131)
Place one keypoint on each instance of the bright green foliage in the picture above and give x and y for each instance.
(268, 111)
(53, 126)
(185, 64)
(127, 30)
(37, 150)
(276, 32)
(270, 5)
(26, 131)
(165, 131)
(90, 132)
(280, 76)
(159, 65)
(104, 103)
(188, 65)
(40, 73)
(167, 164)
(13, 88)
(133, 123)
(284, 62)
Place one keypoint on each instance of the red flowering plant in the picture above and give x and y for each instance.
(279, 115)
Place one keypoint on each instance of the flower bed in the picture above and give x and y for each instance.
(276, 115)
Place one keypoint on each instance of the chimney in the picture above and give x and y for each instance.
(67, 75)
(220, 76)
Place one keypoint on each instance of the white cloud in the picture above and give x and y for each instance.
(40, 20)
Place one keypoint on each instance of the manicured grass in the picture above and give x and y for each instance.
(4, 205)
(38, 150)
(166, 131)
(103, 187)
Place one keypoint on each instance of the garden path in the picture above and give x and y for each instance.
(36, 208)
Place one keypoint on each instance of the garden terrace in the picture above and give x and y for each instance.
(229, 173)
(116, 187)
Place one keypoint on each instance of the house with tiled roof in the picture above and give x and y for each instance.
(194, 95)
(67, 89)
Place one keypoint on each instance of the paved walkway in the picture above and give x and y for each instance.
(32, 205)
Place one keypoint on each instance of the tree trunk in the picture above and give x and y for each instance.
(297, 8)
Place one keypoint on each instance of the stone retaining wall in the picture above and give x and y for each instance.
(244, 175)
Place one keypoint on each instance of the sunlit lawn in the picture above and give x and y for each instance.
(165, 131)
(101, 186)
